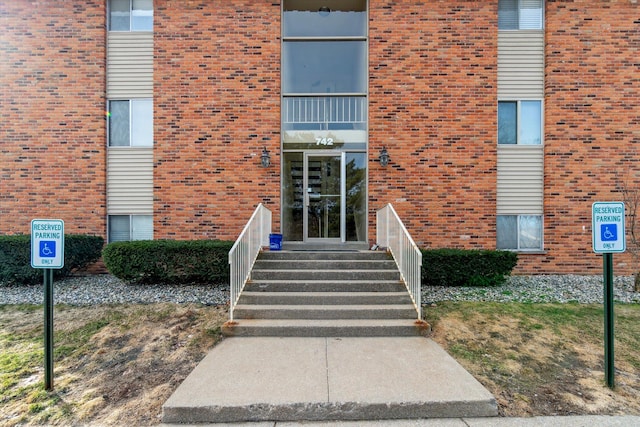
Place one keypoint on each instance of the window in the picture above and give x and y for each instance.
(312, 18)
(520, 122)
(319, 67)
(130, 227)
(131, 123)
(131, 15)
(520, 14)
(519, 232)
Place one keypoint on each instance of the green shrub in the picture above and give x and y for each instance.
(15, 257)
(169, 261)
(461, 267)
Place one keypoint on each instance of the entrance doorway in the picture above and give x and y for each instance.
(324, 197)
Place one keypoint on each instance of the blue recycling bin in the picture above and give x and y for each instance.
(275, 242)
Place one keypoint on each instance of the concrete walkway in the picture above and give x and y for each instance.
(321, 379)
(573, 421)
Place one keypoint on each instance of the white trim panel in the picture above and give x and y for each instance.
(129, 65)
(130, 181)
(520, 180)
(520, 64)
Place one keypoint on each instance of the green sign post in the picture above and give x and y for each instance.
(608, 237)
(47, 252)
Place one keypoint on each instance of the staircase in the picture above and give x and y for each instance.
(325, 294)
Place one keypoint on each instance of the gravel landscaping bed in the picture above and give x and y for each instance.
(539, 289)
(107, 289)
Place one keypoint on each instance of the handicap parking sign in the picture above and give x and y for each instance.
(47, 243)
(608, 227)
(48, 248)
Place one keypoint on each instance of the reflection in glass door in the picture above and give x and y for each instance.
(323, 196)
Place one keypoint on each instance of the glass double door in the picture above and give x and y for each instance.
(324, 196)
(323, 211)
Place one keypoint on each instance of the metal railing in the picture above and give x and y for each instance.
(324, 111)
(392, 234)
(244, 252)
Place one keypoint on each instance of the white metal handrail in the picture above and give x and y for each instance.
(392, 234)
(244, 252)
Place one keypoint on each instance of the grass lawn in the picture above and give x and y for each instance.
(544, 359)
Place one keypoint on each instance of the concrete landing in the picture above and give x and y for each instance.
(294, 379)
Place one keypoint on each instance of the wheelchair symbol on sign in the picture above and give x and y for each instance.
(609, 232)
(48, 249)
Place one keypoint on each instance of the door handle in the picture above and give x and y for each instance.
(307, 196)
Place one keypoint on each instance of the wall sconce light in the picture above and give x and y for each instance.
(324, 11)
(265, 158)
(384, 157)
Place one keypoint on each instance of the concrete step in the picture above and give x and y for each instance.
(295, 274)
(305, 285)
(325, 255)
(351, 264)
(322, 294)
(326, 328)
(331, 298)
(325, 246)
(370, 311)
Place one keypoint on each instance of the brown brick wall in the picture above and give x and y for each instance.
(217, 102)
(52, 150)
(433, 105)
(592, 132)
(433, 91)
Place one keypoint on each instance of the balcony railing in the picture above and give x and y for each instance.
(327, 112)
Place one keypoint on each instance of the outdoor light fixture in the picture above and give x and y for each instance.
(265, 158)
(324, 11)
(384, 157)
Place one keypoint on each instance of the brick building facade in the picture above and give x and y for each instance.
(449, 89)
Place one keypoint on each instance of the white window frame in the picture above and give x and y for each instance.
(519, 122)
(520, 7)
(134, 128)
(519, 233)
(131, 227)
(131, 20)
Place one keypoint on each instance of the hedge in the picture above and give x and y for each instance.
(461, 267)
(15, 257)
(169, 261)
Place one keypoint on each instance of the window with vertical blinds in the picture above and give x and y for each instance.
(519, 232)
(520, 14)
(131, 15)
(130, 123)
(130, 227)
